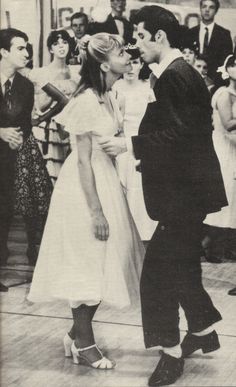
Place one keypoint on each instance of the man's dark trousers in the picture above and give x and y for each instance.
(171, 278)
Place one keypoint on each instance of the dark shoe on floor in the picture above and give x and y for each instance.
(168, 370)
(206, 343)
(32, 255)
(213, 259)
(3, 288)
(4, 254)
(232, 292)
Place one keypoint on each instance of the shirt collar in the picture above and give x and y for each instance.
(158, 69)
(4, 78)
(209, 26)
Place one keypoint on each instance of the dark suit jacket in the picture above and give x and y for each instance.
(180, 170)
(220, 46)
(74, 51)
(20, 115)
(110, 26)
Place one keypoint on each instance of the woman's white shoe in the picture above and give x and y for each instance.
(102, 364)
(67, 341)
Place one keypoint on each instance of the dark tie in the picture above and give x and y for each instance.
(205, 43)
(7, 95)
(118, 18)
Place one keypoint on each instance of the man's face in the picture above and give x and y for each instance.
(17, 56)
(208, 11)
(149, 50)
(118, 6)
(79, 26)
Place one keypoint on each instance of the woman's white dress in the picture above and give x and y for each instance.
(72, 263)
(226, 152)
(135, 98)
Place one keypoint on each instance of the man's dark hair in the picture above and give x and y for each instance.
(202, 57)
(217, 3)
(6, 36)
(78, 15)
(157, 18)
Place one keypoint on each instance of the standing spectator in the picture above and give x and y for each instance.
(223, 223)
(53, 142)
(115, 22)
(16, 103)
(211, 39)
(79, 26)
(129, 89)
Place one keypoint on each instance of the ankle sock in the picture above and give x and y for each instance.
(204, 332)
(175, 351)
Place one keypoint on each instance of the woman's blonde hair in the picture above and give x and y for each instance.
(94, 51)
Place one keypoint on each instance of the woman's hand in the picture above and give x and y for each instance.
(100, 226)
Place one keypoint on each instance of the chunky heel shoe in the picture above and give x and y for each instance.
(103, 363)
(206, 343)
(67, 341)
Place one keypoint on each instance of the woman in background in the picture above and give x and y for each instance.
(53, 142)
(133, 95)
(224, 137)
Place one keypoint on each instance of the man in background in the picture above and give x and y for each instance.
(210, 39)
(115, 23)
(79, 26)
(16, 103)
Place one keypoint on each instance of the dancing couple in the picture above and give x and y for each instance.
(91, 252)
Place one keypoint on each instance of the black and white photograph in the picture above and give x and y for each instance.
(117, 193)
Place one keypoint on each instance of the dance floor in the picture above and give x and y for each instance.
(31, 336)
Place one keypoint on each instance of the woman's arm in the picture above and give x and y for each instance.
(224, 105)
(84, 149)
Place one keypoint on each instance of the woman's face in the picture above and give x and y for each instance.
(201, 67)
(135, 70)
(60, 48)
(119, 61)
(232, 71)
(189, 56)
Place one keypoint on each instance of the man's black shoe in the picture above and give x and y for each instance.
(213, 259)
(168, 370)
(232, 292)
(3, 288)
(4, 254)
(206, 343)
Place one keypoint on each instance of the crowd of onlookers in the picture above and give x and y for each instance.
(28, 175)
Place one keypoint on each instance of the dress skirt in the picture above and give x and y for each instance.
(73, 264)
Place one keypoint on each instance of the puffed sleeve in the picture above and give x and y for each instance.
(81, 114)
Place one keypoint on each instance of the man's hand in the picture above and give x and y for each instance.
(11, 135)
(113, 146)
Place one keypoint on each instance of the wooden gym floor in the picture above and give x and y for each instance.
(31, 336)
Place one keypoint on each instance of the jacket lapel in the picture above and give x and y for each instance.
(214, 37)
(112, 24)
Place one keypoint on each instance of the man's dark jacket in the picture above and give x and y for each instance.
(110, 26)
(220, 46)
(22, 91)
(180, 171)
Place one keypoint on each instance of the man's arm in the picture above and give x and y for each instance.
(166, 117)
(26, 115)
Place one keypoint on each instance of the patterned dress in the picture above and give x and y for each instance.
(33, 187)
